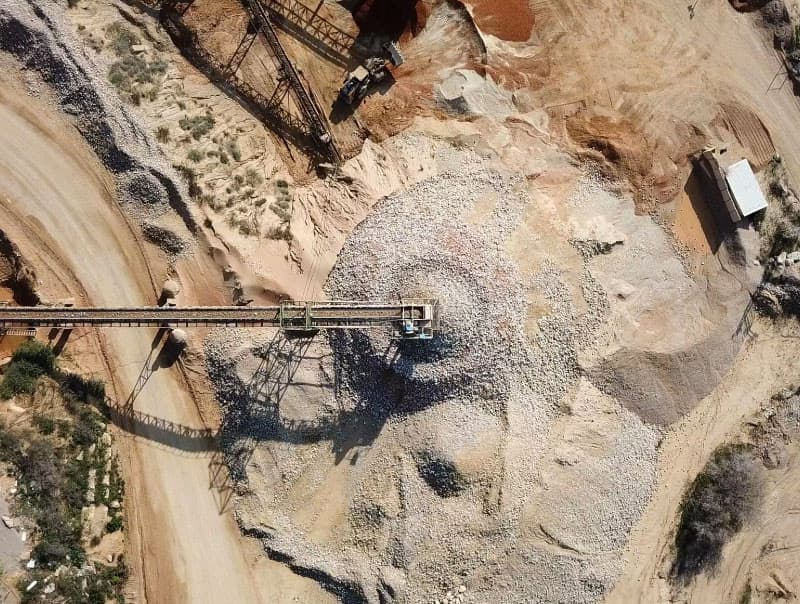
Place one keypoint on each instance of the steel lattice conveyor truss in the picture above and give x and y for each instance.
(409, 319)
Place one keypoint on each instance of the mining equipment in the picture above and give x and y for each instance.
(372, 71)
(409, 319)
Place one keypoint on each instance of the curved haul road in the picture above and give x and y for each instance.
(190, 553)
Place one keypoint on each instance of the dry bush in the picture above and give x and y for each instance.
(724, 497)
(132, 74)
(198, 125)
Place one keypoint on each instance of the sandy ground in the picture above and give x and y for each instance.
(11, 545)
(186, 549)
(765, 367)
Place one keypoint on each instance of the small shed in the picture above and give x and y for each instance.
(745, 189)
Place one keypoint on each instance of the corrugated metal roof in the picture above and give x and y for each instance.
(745, 188)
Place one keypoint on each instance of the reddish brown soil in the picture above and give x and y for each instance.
(510, 20)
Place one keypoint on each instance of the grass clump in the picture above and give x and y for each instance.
(724, 497)
(195, 155)
(279, 233)
(252, 178)
(197, 126)
(282, 206)
(231, 147)
(162, 134)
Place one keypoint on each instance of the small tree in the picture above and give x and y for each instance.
(36, 353)
(722, 499)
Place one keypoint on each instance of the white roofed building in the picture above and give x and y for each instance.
(745, 188)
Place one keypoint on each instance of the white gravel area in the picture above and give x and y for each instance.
(457, 481)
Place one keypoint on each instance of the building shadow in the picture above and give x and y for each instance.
(707, 191)
(702, 198)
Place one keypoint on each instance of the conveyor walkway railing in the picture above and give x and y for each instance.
(415, 319)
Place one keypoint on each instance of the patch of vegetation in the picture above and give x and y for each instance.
(28, 363)
(747, 595)
(133, 74)
(195, 155)
(37, 354)
(780, 226)
(231, 147)
(72, 585)
(252, 178)
(45, 425)
(198, 125)
(282, 208)
(20, 378)
(162, 134)
(52, 465)
(724, 497)
(190, 178)
(280, 233)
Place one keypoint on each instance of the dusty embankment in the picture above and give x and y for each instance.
(60, 206)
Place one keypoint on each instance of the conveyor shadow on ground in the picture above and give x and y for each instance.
(172, 434)
(253, 416)
(317, 33)
(289, 128)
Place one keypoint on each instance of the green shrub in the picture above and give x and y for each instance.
(84, 389)
(232, 149)
(721, 500)
(283, 233)
(252, 178)
(36, 353)
(45, 425)
(114, 525)
(40, 465)
(88, 428)
(132, 74)
(195, 155)
(198, 126)
(20, 378)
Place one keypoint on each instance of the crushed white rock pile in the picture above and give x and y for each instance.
(459, 460)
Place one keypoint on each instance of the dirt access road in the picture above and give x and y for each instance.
(183, 548)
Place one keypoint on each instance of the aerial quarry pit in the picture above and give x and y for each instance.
(399, 301)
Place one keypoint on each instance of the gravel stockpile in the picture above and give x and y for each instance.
(420, 244)
(459, 440)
